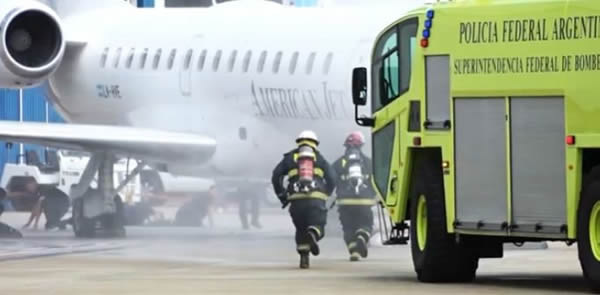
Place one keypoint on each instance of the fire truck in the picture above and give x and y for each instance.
(486, 130)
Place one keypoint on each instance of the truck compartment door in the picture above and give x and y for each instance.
(438, 91)
(481, 163)
(538, 164)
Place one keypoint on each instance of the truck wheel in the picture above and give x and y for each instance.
(588, 229)
(436, 255)
(82, 227)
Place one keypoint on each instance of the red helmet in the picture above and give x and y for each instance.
(355, 139)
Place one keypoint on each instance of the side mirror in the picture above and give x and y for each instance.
(359, 86)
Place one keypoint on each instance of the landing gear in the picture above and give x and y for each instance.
(98, 212)
(105, 225)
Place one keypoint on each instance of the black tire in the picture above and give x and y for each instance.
(82, 227)
(442, 259)
(114, 224)
(590, 196)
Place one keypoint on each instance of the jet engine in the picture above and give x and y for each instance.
(32, 43)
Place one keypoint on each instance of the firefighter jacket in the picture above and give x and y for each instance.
(324, 178)
(345, 191)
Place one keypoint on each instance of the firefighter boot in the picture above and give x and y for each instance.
(354, 256)
(304, 260)
(362, 244)
(312, 237)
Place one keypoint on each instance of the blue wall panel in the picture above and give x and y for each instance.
(54, 116)
(145, 3)
(34, 105)
(9, 104)
(9, 110)
(305, 3)
(34, 110)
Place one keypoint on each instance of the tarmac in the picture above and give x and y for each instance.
(226, 259)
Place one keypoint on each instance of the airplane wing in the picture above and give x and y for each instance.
(141, 144)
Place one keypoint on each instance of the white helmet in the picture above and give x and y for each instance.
(307, 135)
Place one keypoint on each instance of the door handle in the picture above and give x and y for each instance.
(394, 183)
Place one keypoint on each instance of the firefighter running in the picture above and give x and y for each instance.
(355, 196)
(310, 181)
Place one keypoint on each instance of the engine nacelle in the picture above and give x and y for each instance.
(32, 43)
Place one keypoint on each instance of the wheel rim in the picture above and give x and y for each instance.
(594, 229)
(422, 223)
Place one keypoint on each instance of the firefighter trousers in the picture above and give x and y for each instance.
(308, 215)
(357, 222)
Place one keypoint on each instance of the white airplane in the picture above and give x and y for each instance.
(217, 92)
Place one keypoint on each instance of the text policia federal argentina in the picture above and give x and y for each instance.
(530, 30)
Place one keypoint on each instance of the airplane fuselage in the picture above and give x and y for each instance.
(250, 78)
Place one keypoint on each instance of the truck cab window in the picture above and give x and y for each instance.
(392, 66)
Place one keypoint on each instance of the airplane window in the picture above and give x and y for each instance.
(129, 60)
(143, 58)
(277, 62)
(294, 62)
(232, 58)
(217, 60)
(310, 62)
(188, 59)
(104, 57)
(202, 60)
(172, 59)
(117, 57)
(327, 64)
(156, 61)
(261, 61)
(247, 59)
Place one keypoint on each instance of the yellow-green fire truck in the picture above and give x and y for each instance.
(486, 130)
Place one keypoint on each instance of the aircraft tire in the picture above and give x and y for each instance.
(82, 227)
(114, 224)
